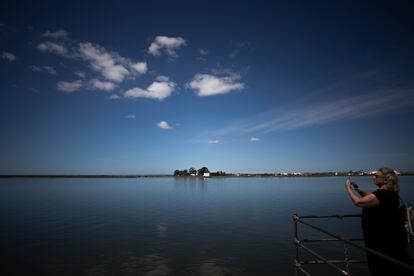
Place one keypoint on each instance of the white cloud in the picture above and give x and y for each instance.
(203, 52)
(80, 74)
(209, 85)
(162, 78)
(168, 45)
(130, 116)
(234, 53)
(50, 70)
(69, 86)
(254, 139)
(140, 67)
(110, 65)
(102, 85)
(240, 47)
(214, 141)
(114, 97)
(157, 90)
(51, 47)
(57, 34)
(164, 125)
(8, 56)
(104, 62)
(35, 68)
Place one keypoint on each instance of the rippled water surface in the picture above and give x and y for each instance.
(167, 226)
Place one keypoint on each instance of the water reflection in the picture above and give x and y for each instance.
(162, 229)
(155, 264)
(191, 183)
(147, 265)
(207, 266)
(212, 267)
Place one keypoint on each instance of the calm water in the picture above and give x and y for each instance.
(166, 226)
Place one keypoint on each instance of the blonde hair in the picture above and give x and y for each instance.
(391, 179)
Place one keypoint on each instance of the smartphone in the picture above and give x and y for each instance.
(354, 185)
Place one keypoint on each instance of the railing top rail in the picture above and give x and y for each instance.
(329, 216)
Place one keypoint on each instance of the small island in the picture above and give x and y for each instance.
(202, 172)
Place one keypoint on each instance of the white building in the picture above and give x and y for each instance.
(206, 174)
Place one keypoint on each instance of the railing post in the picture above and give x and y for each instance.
(295, 218)
(346, 253)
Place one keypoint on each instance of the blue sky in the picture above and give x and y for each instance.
(131, 87)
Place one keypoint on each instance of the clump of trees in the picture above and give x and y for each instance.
(200, 172)
(181, 173)
(218, 173)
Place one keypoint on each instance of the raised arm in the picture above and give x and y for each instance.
(365, 201)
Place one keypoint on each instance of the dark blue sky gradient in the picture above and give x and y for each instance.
(327, 85)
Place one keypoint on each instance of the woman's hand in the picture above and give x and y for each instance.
(348, 184)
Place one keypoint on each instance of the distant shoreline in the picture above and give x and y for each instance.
(241, 175)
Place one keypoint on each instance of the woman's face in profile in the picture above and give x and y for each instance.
(379, 179)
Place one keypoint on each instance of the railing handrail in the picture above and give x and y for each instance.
(331, 216)
(299, 243)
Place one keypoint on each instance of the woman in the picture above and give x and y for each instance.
(382, 223)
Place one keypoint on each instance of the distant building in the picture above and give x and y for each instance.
(206, 174)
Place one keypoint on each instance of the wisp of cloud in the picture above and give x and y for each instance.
(355, 107)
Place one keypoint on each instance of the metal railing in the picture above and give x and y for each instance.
(334, 264)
